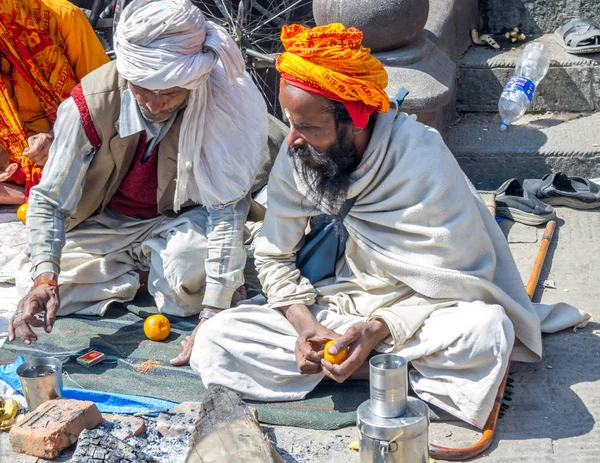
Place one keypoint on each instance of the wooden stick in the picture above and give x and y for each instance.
(489, 430)
(459, 454)
(539, 259)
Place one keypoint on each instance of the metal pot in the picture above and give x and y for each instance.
(41, 380)
(383, 436)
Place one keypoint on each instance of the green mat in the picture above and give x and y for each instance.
(120, 336)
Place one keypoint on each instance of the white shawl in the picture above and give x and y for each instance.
(163, 44)
(418, 219)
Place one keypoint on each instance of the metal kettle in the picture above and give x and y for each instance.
(392, 427)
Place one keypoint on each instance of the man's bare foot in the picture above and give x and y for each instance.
(239, 295)
(188, 344)
(143, 275)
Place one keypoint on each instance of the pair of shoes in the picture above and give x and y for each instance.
(517, 203)
(559, 189)
(581, 35)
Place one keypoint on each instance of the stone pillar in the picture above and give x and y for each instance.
(393, 29)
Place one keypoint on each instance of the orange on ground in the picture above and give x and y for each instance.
(22, 212)
(337, 358)
(157, 327)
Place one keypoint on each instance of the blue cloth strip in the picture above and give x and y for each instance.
(106, 402)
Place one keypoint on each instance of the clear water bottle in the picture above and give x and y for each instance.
(518, 92)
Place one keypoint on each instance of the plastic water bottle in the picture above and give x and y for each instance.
(518, 92)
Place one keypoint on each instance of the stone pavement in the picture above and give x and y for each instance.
(555, 403)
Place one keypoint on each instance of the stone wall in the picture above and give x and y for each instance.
(534, 16)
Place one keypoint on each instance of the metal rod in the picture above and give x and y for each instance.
(276, 16)
(261, 56)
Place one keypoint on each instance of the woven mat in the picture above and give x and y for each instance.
(120, 336)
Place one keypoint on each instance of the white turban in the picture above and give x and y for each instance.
(162, 44)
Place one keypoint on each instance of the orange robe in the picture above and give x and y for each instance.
(46, 47)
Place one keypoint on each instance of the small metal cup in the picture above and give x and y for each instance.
(41, 380)
(388, 385)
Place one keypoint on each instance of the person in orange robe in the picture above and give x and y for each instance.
(46, 47)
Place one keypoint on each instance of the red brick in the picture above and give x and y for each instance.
(53, 426)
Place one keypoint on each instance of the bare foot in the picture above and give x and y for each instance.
(188, 344)
(239, 295)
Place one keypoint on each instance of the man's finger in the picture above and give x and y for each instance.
(11, 329)
(348, 338)
(182, 359)
(309, 353)
(328, 373)
(25, 332)
(345, 369)
(32, 320)
(309, 368)
(7, 174)
(52, 308)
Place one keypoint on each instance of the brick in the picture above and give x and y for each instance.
(124, 427)
(180, 420)
(53, 426)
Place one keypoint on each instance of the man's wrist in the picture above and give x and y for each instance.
(300, 316)
(208, 312)
(377, 330)
(45, 276)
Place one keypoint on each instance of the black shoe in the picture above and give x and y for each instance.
(559, 189)
(515, 203)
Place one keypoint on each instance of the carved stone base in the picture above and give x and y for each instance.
(429, 76)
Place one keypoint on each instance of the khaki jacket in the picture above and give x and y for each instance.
(102, 90)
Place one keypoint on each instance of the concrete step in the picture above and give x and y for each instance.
(534, 16)
(572, 83)
(535, 145)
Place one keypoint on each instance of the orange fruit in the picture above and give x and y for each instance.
(157, 327)
(337, 358)
(22, 212)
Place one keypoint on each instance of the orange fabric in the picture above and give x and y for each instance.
(358, 111)
(43, 56)
(332, 58)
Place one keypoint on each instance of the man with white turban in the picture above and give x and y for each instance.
(150, 173)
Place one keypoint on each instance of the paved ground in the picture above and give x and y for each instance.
(555, 403)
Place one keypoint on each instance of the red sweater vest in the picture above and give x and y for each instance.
(136, 196)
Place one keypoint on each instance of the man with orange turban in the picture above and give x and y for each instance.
(46, 47)
(410, 261)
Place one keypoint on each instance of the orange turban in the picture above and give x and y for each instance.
(330, 61)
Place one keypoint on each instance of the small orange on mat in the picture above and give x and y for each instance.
(157, 327)
(22, 212)
(337, 358)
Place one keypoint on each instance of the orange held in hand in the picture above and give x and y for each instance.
(157, 327)
(337, 358)
(22, 212)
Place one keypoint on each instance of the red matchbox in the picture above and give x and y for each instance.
(91, 358)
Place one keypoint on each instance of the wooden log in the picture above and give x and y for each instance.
(228, 432)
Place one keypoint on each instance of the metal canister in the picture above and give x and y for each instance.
(392, 439)
(388, 385)
(41, 380)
